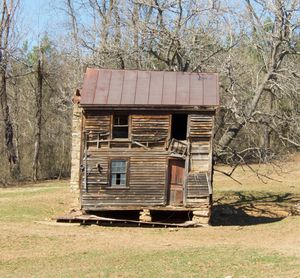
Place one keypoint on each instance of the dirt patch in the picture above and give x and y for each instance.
(253, 229)
(251, 208)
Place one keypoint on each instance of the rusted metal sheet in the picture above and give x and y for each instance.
(102, 87)
(169, 95)
(89, 85)
(142, 87)
(105, 87)
(156, 88)
(183, 89)
(129, 87)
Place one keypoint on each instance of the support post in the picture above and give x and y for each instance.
(145, 215)
(202, 215)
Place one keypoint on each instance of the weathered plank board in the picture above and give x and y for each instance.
(105, 221)
(147, 173)
(200, 125)
(146, 179)
(150, 128)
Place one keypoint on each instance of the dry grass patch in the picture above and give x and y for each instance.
(32, 248)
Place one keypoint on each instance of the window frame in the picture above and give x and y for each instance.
(110, 185)
(113, 126)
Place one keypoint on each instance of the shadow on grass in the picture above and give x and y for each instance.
(246, 208)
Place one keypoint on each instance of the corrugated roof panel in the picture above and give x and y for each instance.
(196, 89)
(210, 86)
(183, 88)
(89, 85)
(142, 87)
(102, 88)
(129, 86)
(116, 87)
(156, 88)
(169, 89)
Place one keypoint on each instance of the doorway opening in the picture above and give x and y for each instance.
(179, 126)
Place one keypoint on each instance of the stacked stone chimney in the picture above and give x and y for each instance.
(76, 145)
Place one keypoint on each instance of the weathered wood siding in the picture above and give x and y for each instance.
(146, 181)
(96, 127)
(95, 121)
(147, 168)
(147, 175)
(150, 129)
(198, 182)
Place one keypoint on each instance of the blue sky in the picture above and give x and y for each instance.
(38, 17)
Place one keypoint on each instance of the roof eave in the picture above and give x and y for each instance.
(150, 107)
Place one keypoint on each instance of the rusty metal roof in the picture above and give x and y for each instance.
(151, 88)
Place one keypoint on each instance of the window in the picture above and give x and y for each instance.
(118, 173)
(179, 126)
(120, 126)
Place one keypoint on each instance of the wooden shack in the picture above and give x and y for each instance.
(144, 141)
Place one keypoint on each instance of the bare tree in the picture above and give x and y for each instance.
(8, 11)
(75, 36)
(38, 117)
(274, 47)
(254, 47)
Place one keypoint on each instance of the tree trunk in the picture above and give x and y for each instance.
(273, 57)
(5, 25)
(135, 21)
(233, 130)
(75, 37)
(118, 38)
(267, 129)
(38, 118)
(11, 151)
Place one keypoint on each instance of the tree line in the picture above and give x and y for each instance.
(252, 44)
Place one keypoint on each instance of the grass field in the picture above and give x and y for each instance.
(257, 238)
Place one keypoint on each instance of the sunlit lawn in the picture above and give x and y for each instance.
(34, 246)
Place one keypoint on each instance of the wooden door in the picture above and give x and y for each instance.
(176, 177)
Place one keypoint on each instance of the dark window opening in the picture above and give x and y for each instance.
(120, 126)
(118, 173)
(179, 126)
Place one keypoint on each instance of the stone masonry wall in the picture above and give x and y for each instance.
(75, 154)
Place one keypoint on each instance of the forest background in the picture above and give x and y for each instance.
(45, 47)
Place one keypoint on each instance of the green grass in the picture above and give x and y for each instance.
(32, 203)
(204, 262)
(28, 191)
(29, 249)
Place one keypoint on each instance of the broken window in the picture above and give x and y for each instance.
(120, 126)
(118, 173)
(179, 126)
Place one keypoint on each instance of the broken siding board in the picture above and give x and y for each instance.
(150, 129)
(99, 123)
(200, 134)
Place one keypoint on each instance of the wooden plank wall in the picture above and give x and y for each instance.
(148, 173)
(147, 183)
(199, 176)
(150, 129)
(147, 167)
(97, 122)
